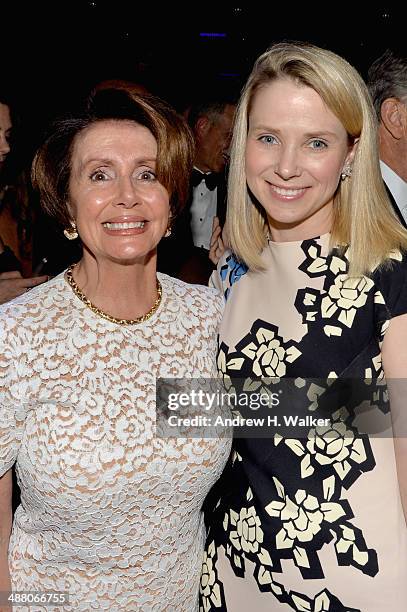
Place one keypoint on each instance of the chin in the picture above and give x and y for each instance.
(284, 219)
(131, 259)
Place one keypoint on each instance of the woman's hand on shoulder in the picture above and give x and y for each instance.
(217, 246)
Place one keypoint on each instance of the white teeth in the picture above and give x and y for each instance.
(119, 226)
(287, 192)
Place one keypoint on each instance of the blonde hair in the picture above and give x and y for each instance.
(363, 216)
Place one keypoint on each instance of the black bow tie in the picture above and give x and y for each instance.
(211, 179)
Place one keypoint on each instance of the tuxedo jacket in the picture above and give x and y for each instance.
(177, 255)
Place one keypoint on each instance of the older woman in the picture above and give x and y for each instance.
(316, 288)
(110, 514)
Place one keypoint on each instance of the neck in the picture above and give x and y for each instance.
(123, 291)
(316, 225)
(201, 165)
(202, 168)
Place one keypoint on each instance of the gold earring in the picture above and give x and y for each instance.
(168, 230)
(71, 232)
(346, 172)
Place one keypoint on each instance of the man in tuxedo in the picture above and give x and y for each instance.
(185, 253)
(387, 82)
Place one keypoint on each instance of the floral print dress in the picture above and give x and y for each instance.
(313, 524)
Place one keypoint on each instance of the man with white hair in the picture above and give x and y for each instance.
(387, 82)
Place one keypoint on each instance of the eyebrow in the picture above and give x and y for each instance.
(102, 161)
(313, 134)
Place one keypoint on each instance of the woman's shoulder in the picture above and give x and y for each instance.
(392, 268)
(192, 297)
(390, 279)
(38, 298)
(228, 272)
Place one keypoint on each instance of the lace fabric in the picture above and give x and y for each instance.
(109, 512)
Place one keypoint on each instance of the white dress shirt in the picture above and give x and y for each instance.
(203, 210)
(397, 186)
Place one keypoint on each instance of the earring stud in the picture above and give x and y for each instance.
(347, 172)
(168, 230)
(71, 232)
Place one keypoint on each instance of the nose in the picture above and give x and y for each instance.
(287, 163)
(128, 194)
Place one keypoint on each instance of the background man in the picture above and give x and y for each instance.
(387, 81)
(186, 253)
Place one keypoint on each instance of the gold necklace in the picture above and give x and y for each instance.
(70, 280)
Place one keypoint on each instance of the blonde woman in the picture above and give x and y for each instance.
(315, 287)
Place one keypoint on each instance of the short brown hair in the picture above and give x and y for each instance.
(51, 167)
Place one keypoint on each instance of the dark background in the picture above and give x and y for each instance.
(51, 55)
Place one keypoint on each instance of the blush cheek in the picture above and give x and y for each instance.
(99, 200)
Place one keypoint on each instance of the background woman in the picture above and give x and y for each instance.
(15, 239)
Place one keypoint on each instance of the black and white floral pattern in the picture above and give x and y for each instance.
(287, 498)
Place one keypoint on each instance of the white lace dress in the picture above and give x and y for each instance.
(109, 513)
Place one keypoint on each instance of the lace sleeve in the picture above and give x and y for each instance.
(12, 411)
